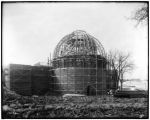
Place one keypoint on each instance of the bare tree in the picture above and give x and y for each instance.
(120, 62)
(141, 14)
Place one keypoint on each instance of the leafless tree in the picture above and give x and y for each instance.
(120, 62)
(141, 14)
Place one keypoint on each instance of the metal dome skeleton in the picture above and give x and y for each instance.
(78, 43)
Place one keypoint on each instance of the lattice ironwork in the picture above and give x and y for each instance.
(78, 43)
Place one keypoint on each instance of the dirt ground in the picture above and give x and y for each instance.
(16, 106)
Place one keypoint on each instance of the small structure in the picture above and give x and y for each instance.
(27, 80)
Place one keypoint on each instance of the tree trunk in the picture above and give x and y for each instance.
(121, 82)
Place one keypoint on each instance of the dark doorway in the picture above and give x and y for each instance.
(90, 90)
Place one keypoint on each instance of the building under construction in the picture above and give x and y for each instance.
(79, 66)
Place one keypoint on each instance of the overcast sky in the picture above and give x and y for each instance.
(31, 31)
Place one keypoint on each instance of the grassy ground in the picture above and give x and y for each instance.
(15, 106)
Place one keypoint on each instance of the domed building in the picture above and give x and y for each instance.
(80, 66)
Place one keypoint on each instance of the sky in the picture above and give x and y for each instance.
(31, 31)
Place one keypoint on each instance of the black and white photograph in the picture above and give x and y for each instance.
(74, 59)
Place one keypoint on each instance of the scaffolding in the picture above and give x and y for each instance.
(80, 65)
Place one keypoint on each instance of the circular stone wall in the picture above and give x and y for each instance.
(81, 75)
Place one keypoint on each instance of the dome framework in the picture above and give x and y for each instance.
(78, 43)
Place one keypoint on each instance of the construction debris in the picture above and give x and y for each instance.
(16, 106)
